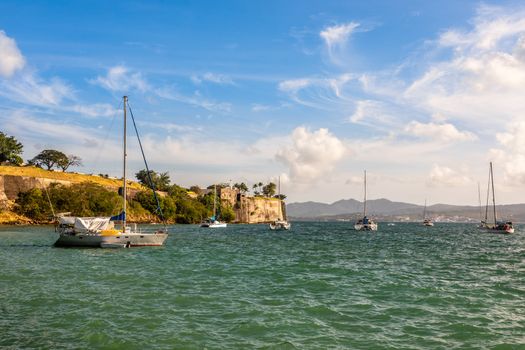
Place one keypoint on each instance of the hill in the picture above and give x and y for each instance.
(384, 209)
(30, 171)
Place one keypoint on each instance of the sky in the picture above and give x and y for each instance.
(421, 94)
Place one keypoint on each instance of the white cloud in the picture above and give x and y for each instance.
(445, 176)
(29, 89)
(11, 58)
(338, 35)
(482, 81)
(444, 132)
(294, 85)
(95, 110)
(221, 79)
(312, 154)
(122, 79)
(511, 154)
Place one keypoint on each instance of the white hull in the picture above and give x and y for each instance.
(214, 225)
(428, 223)
(366, 227)
(280, 225)
(97, 240)
(501, 231)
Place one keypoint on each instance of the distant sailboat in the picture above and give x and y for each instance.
(214, 222)
(426, 222)
(505, 227)
(281, 224)
(365, 224)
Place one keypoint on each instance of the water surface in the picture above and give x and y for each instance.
(318, 286)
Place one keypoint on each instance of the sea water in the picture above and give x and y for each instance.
(317, 286)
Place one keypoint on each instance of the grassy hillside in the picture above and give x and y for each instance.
(58, 175)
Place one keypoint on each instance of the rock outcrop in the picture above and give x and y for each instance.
(252, 210)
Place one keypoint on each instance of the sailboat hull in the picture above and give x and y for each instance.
(280, 225)
(365, 227)
(97, 240)
(214, 225)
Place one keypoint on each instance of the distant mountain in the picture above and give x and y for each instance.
(386, 209)
(348, 206)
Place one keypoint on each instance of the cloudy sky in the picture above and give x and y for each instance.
(422, 94)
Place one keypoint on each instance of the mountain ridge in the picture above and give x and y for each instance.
(386, 208)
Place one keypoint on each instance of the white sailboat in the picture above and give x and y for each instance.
(101, 231)
(213, 222)
(281, 224)
(365, 224)
(426, 222)
(505, 227)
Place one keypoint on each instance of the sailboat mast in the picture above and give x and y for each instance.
(364, 202)
(215, 201)
(425, 210)
(125, 98)
(487, 203)
(479, 202)
(493, 194)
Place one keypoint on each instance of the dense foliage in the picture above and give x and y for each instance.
(156, 181)
(10, 150)
(89, 199)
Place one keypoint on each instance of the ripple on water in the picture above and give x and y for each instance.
(318, 286)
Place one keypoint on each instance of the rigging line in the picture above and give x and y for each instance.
(48, 199)
(147, 167)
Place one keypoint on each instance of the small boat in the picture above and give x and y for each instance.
(365, 224)
(210, 223)
(213, 222)
(426, 222)
(505, 227)
(100, 231)
(281, 224)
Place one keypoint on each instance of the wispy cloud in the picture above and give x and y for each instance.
(195, 100)
(11, 58)
(95, 110)
(338, 35)
(215, 78)
(26, 88)
(256, 107)
(122, 79)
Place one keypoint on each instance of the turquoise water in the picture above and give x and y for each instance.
(318, 286)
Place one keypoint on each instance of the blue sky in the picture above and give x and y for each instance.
(421, 94)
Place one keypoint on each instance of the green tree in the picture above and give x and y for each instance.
(148, 202)
(10, 150)
(159, 181)
(69, 161)
(49, 158)
(269, 189)
(281, 196)
(33, 204)
(241, 187)
(227, 213)
(196, 189)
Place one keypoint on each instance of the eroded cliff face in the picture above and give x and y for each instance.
(12, 185)
(252, 210)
